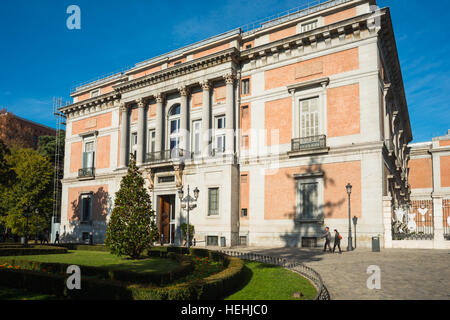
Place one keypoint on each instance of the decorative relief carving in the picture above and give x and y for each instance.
(206, 86)
(141, 102)
(184, 91)
(150, 175)
(229, 78)
(159, 97)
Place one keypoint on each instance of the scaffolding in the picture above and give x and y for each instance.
(58, 103)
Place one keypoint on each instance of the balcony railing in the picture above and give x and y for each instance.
(309, 143)
(86, 173)
(168, 155)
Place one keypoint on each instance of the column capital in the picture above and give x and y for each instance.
(123, 107)
(159, 97)
(230, 77)
(206, 85)
(141, 102)
(184, 91)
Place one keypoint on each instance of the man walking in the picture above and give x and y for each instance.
(327, 239)
(337, 241)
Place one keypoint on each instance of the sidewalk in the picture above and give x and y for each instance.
(405, 274)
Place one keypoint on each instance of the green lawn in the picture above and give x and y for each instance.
(103, 259)
(268, 282)
(15, 294)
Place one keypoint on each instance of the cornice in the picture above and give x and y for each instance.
(99, 103)
(311, 38)
(221, 57)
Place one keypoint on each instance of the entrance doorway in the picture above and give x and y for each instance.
(167, 219)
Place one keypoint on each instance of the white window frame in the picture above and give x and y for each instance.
(220, 133)
(301, 102)
(319, 215)
(95, 93)
(306, 26)
(133, 146)
(85, 143)
(304, 94)
(151, 141)
(176, 135)
(197, 131)
(208, 201)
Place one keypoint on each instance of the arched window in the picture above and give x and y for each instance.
(174, 110)
(174, 126)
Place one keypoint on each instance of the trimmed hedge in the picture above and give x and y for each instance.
(33, 250)
(84, 247)
(185, 268)
(212, 287)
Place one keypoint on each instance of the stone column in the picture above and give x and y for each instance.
(140, 133)
(438, 221)
(159, 123)
(206, 118)
(123, 136)
(184, 114)
(387, 221)
(229, 113)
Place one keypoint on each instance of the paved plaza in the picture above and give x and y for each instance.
(405, 274)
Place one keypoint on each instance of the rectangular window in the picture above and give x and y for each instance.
(309, 26)
(134, 142)
(245, 86)
(95, 93)
(309, 117)
(212, 241)
(244, 212)
(151, 141)
(167, 179)
(86, 208)
(213, 201)
(307, 200)
(220, 134)
(196, 136)
(88, 155)
(248, 46)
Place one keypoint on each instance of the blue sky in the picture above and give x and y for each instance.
(40, 58)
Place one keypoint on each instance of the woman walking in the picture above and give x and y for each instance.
(337, 241)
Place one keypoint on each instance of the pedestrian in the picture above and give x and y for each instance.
(91, 238)
(337, 241)
(57, 237)
(327, 239)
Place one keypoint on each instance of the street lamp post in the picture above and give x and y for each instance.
(350, 241)
(187, 201)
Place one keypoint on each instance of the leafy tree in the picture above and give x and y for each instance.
(6, 174)
(132, 227)
(31, 190)
(47, 146)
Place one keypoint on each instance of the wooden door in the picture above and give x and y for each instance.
(164, 219)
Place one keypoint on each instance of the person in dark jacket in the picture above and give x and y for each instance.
(337, 241)
(57, 237)
(327, 239)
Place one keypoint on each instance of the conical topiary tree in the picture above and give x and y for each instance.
(132, 227)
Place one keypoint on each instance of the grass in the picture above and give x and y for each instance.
(268, 282)
(103, 259)
(15, 294)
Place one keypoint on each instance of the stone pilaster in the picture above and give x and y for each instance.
(229, 113)
(387, 221)
(206, 118)
(438, 221)
(140, 133)
(184, 113)
(159, 122)
(123, 136)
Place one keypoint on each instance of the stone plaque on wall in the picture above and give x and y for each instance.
(309, 69)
